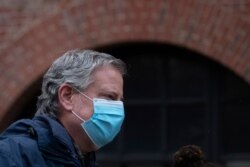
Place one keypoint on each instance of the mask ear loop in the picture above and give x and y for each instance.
(78, 116)
(83, 94)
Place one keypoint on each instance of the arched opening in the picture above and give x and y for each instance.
(174, 97)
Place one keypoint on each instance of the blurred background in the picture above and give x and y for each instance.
(188, 64)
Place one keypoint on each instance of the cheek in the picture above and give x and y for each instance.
(77, 106)
(83, 108)
(87, 111)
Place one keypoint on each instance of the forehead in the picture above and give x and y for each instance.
(107, 78)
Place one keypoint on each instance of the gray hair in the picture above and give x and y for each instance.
(74, 68)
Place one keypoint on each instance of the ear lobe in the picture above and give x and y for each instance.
(65, 96)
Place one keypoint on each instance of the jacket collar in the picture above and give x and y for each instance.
(60, 142)
(52, 139)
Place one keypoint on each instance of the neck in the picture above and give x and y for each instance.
(78, 134)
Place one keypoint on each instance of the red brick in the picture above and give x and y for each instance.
(36, 35)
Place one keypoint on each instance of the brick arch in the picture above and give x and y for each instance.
(218, 34)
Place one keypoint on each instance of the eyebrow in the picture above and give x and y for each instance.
(113, 93)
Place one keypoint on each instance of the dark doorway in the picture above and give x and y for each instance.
(175, 97)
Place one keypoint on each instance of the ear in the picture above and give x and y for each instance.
(65, 93)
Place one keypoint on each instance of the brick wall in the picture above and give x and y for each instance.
(34, 33)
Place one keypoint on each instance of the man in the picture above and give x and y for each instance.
(79, 111)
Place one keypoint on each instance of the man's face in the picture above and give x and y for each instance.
(107, 84)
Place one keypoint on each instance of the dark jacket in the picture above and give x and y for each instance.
(40, 142)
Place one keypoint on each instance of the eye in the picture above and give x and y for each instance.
(108, 97)
(111, 97)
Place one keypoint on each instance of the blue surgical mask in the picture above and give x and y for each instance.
(105, 122)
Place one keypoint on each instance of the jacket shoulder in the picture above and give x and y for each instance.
(13, 151)
(18, 147)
